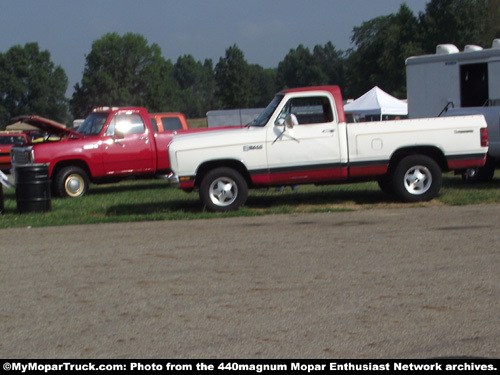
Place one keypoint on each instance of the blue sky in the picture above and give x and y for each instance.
(265, 30)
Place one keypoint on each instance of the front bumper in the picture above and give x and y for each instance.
(173, 180)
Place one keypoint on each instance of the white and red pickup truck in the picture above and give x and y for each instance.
(302, 138)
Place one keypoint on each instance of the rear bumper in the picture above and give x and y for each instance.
(466, 161)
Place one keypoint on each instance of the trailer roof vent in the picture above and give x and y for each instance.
(446, 49)
(496, 44)
(472, 48)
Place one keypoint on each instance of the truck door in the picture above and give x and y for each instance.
(309, 151)
(128, 146)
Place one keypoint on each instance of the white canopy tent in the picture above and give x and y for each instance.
(377, 104)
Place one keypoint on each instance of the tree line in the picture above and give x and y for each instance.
(127, 70)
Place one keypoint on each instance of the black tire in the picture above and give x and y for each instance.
(223, 189)
(71, 182)
(417, 178)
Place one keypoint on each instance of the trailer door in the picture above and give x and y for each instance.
(474, 85)
(494, 81)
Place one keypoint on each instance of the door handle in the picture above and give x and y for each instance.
(329, 131)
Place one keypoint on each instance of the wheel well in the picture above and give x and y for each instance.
(430, 151)
(228, 163)
(66, 163)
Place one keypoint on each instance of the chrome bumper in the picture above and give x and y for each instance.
(173, 180)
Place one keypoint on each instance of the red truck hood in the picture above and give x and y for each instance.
(47, 125)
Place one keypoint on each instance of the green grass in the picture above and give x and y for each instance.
(197, 122)
(140, 200)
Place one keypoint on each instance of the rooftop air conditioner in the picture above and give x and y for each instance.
(472, 48)
(446, 49)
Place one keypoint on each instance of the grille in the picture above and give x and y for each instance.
(21, 156)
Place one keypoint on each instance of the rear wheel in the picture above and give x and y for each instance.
(71, 182)
(223, 189)
(417, 178)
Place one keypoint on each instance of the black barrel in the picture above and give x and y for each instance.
(32, 188)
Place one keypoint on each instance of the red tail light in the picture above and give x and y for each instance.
(484, 137)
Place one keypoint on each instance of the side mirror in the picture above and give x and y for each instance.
(118, 134)
(290, 121)
(120, 130)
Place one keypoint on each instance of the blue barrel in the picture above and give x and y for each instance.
(32, 188)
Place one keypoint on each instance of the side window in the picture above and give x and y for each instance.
(171, 123)
(11, 140)
(308, 110)
(127, 124)
(154, 124)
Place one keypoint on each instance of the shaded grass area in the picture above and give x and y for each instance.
(141, 200)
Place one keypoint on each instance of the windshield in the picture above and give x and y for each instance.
(266, 114)
(12, 139)
(93, 124)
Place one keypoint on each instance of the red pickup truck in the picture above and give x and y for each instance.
(111, 143)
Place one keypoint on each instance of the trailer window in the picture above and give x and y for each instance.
(474, 85)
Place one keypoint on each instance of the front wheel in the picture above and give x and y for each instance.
(417, 178)
(223, 189)
(71, 182)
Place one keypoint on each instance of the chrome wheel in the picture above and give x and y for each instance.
(223, 191)
(74, 185)
(418, 180)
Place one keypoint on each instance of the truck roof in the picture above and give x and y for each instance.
(114, 109)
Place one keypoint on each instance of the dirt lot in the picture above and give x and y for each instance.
(397, 283)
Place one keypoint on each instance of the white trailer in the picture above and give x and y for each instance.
(451, 83)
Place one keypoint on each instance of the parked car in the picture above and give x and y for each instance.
(302, 138)
(112, 143)
(7, 140)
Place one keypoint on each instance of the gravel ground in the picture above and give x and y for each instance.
(395, 283)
